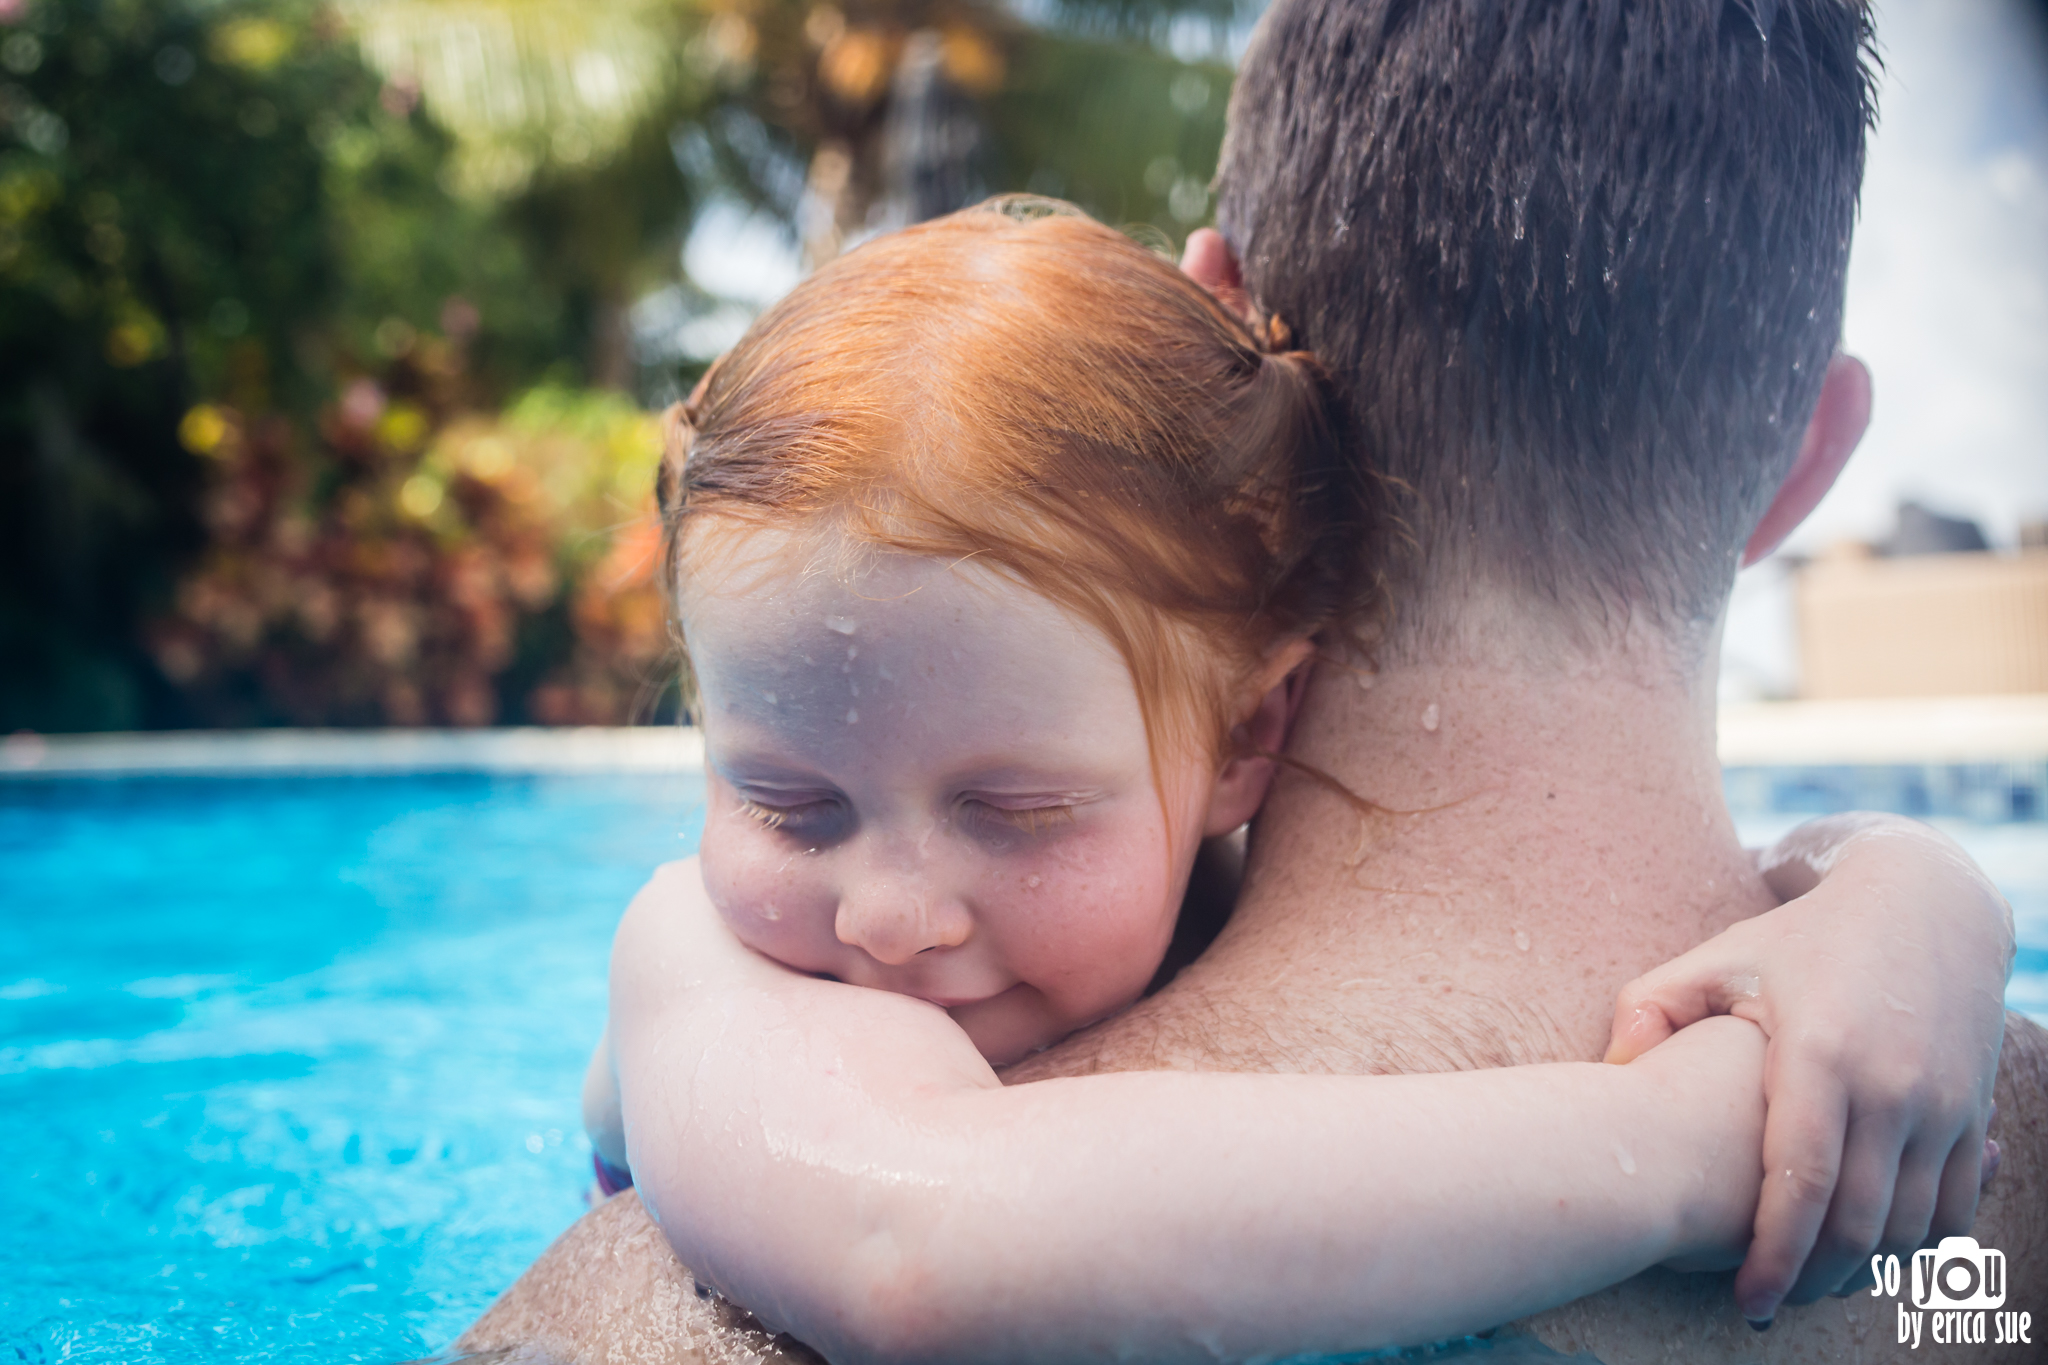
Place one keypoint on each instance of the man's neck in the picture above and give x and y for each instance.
(1543, 834)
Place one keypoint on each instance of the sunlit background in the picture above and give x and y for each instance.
(331, 336)
(328, 331)
(1948, 303)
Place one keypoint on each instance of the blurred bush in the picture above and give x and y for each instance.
(315, 320)
(223, 208)
(450, 569)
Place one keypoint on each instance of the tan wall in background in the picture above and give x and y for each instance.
(1925, 626)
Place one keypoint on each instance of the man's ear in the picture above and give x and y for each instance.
(1839, 420)
(1208, 261)
(1270, 702)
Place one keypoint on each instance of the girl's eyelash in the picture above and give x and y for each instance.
(774, 817)
(1031, 819)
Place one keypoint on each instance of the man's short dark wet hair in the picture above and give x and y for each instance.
(1577, 266)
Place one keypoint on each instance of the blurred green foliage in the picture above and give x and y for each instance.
(458, 568)
(1049, 117)
(268, 268)
(197, 202)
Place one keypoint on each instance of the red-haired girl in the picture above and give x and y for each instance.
(999, 552)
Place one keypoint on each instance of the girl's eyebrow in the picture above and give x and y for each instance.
(760, 769)
(1023, 779)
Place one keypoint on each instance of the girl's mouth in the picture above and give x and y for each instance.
(954, 1002)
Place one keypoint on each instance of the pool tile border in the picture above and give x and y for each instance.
(251, 753)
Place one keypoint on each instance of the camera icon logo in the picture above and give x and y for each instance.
(1959, 1274)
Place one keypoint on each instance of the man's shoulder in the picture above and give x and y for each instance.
(609, 1290)
(1645, 1318)
(2014, 1214)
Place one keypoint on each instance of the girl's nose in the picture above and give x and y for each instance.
(892, 921)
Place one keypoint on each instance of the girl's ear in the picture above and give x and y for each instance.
(1266, 712)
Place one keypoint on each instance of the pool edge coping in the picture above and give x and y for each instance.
(287, 753)
(1939, 730)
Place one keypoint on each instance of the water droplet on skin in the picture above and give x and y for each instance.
(852, 652)
(852, 716)
(1522, 939)
(1624, 1159)
(1892, 1002)
(771, 912)
(1033, 880)
(841, 625)
(1430, 717)
(769, 697)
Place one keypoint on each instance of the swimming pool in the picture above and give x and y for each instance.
(289, 1065)
(292, 1063)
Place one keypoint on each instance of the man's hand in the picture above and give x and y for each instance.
(1880, 984)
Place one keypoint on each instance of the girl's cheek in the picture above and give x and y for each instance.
(767, 893)
(1098, 911)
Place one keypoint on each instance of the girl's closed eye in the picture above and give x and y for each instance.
(806, 815)
(1026, 819)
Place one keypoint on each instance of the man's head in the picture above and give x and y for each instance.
(1577, 266)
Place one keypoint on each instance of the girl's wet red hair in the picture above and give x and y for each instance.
(1018, 384)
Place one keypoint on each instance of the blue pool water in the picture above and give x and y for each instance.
(288, 1067)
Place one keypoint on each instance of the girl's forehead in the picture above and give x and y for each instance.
(767, 589)
(906, 656)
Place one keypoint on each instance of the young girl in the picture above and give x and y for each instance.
(1001, 551)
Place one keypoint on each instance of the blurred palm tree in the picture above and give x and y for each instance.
(839, 117)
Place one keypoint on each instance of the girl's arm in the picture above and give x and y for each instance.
(603, 1119)
(1880, 983)
(843, 1162)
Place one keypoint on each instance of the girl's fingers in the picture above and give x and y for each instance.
(1676, 995)
(1961, 1182)
(1859, 1213)
(1639, 1025)
(1922, 1172)
(1802, 1159)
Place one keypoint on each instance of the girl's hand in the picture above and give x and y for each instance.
(1880, 983)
